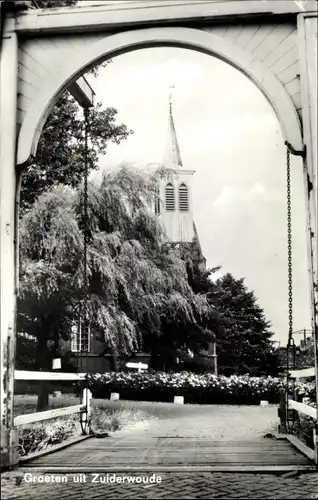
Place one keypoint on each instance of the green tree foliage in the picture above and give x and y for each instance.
(244, 340)
(135, 283)
(60, 154)
(51, 4)
(242, 333)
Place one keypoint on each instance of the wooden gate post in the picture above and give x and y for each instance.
(283, 412)
(85, 417)
(307, 31)
(8, 111)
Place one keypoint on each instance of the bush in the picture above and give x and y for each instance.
(196, 388)
(40, 436)
(304, 428)
(306, 390)
(37, 437)
(113, 419)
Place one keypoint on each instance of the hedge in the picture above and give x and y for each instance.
(195, 388)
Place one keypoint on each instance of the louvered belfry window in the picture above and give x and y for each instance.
(170, 198)
(183, 198)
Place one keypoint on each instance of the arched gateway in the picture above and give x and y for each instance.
(44, 52)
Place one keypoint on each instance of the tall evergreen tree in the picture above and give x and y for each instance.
(244, 342)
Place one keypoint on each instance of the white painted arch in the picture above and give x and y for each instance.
(127, 41)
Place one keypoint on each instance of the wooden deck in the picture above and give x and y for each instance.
(127, 453)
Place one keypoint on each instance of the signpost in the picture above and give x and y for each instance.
(140, 366)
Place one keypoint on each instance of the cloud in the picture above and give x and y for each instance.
(257, 191)
(228, 195)
(233, 195)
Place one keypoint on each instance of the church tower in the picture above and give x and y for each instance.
(174, 206)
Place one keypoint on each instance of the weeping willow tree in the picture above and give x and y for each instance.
(137, 285)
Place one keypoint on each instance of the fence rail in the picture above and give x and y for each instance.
(304, 373)
(43, 376)
(49, 414)
(83, 409)
(310, 411)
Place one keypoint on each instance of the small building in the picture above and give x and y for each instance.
(303, 356)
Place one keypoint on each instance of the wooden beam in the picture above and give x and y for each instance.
(248, 468)
(48, 415)
(30, 375)
(305, 450)
(307, 42)
(82, 92)
(310, 411)
(8, 233)
(306, 372)
(112, 16)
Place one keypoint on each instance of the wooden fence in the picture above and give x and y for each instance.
(301, 408)
(84, 409)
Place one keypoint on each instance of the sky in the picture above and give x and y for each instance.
(229, 134)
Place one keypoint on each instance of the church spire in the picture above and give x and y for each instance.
(172, 157)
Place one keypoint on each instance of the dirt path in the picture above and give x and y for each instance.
(213, 422)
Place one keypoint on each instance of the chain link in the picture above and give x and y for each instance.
(289, 246)
(290, 345)
(85, 333)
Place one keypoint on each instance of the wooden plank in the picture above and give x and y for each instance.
(289, 73)
(27, 89)
(38, 375)
(274, 40)
(282, 48)
(293, 88)
(82, 92)
(162, 468)
(247, 33)
(216, 30)
(43, 51)
(48, 415)
(302, 408)
(279, 455)
(285, 61)
(212, 460)
(30, 76)
(234, 32)
(152, 12)
(301, 447)
(306, 372)
(259, 37)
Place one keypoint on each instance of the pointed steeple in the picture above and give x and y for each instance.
(172, 157)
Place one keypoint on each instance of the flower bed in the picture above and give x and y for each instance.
(200, 389)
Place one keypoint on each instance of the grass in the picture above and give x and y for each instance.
(40, 436)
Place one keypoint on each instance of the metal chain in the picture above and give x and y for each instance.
(85, 217)
(291, 343)
(84, 322)
(289, 245)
